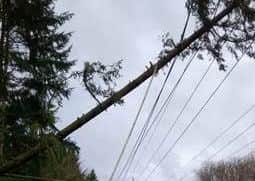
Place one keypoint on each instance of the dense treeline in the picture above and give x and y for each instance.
(241, 169)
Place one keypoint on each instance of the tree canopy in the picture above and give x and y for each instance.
(34, 73)
(227, 36)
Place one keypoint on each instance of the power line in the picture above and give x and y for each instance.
(195, 117)
(167, 101)
(165, 105)
(169, 98)
(242, 148)
(178, 117)
(232, 140)
(223, 132)
(133, 126)
(149, 125)
(187, 102)
(221, 135)
(233, 153)
(229, 143)
(217, 6)
(142, 132)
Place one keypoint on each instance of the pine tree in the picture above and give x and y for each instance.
(34, 68)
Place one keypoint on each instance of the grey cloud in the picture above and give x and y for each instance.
(130, 30)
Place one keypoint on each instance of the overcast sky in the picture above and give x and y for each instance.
(108, 30)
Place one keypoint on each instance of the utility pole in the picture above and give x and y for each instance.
(163, 61)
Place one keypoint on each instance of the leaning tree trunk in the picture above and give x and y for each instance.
(180, 47)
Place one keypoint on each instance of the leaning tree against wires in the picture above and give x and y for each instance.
(203, 11)
(231, 30)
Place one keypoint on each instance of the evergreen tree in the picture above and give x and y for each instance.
(91, 176)
(34, 68)
(34, 74)
(233, 35)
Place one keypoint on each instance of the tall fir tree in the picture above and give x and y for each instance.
(34, 68)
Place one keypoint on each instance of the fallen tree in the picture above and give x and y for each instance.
(207, 26)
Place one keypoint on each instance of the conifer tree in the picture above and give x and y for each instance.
(34, 68)
(91, 176)
(34, 75)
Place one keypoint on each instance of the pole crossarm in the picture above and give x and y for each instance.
(85, 118)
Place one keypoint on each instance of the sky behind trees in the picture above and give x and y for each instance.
(112, 30)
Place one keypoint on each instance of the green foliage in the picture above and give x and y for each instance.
(234, 35)
(61, 161)
(91, 176)
(34, 73)
(99, 79)
(107, 74)
(58, 162)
